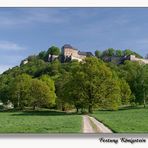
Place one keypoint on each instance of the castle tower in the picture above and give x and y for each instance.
(70, 53)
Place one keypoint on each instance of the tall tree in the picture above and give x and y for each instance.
(62, 91)
(133, 73)
(108, 52)
(98, 53)
(53, 50)
(40, 94)
(111, 51)
(126, 93)
(19, 90)
(94, 85)
(50, 83)
(119, 53)
(42, 55)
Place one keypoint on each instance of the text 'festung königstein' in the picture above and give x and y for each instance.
(122, 140)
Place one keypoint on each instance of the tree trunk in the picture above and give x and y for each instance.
(63, 108)
(90, 109)
(144, 99)
(34, 107)
(77, 109)
(144, 103)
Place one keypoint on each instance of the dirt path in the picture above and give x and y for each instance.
(87, 128)
(91, 125)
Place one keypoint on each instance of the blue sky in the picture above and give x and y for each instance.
(26, 31)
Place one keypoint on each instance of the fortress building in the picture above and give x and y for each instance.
(70, 53)
(134, 59)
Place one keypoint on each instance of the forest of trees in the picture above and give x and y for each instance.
(87, 85)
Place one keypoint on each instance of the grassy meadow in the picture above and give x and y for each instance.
(125, 121)
(40, 122)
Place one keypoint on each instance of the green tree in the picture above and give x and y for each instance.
(42, 55)
(119, 53)
(108, 52)
(133, 73)
(94, 85)
(128, 52)
(67, 89)
(40, 94)
(36, 67)
(126, 93)
(98, 53)
(54, 50)
(5, 80)
(142, 85)
(111, 51)
(61, 91)
(19, 90)
(50, 83)
(55, 68)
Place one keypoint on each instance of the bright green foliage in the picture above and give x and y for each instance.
(19, 90)
(128, 52)
(93, 85)
(42, 55)
(53, 50)
(4, 88)
(50, 83)
(35, 67)
(142, 87)
(40, 94)
(62, 91)
(125, 92)
(87, 84)
(55, 68)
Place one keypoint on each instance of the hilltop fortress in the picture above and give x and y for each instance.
(134, 58)
(70, 53)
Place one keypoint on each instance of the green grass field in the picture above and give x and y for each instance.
(40, 122)
(125, 121)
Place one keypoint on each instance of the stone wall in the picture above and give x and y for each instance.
(68, 52)
(134, 58)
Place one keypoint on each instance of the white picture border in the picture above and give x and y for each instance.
(73, 3)
(74, 141)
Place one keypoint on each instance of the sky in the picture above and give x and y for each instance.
(27, 31)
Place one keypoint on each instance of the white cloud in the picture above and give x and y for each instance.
(7, 45)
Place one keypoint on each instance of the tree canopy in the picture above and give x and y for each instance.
(86, 85)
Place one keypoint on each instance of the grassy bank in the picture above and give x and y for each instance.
(40, 122)
(125, 121)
